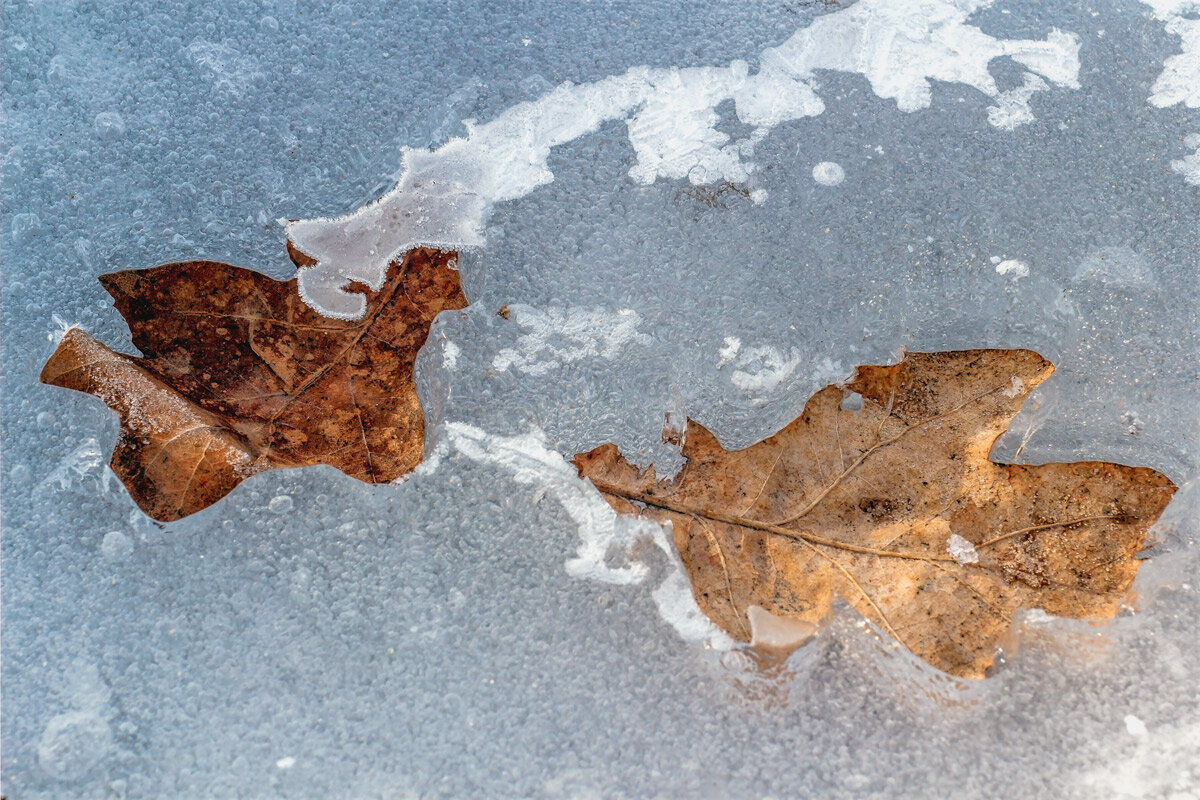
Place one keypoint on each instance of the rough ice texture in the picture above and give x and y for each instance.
(426, 639)
(445, 196)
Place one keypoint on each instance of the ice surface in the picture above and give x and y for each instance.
(444, 197)
(486, 627)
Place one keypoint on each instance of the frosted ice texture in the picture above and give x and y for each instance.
(429, 639)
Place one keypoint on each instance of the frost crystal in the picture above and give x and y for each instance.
(961, 550)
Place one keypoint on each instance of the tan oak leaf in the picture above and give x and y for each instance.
(882, 492)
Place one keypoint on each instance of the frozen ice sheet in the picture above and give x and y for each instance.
(311, 636)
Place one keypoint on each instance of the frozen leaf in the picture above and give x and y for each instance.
(239, 376)
(860, 502)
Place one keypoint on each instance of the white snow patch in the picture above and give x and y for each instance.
(828, 173)
(1017, 269)
(729, 351)
(1015, 387)
(1012, 107)
(430, 463)
(555, 337)
(444, 197)
(606, 538)
(1189, 166)
(287, 762)
(1179, 82)
(1135, 726)
(961, 550)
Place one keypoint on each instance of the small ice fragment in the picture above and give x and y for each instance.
(777, 633)
(961, 550)
(995, 259)
(729, 351)
(1135, 726)
(280, 504)
(1018, 269)
(285, 763)
(828, 173)
(1015, 388)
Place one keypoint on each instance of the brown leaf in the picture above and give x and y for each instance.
(860, 496)
(240, 376)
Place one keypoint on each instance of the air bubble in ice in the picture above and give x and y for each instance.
(280, 504)
(109, 126)
(828, 173)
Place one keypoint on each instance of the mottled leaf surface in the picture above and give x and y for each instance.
(238, 375)
(882, 492)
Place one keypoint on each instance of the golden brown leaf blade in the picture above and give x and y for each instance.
(270, 378)
(865, 504)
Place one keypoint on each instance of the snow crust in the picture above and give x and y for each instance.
(444, 197)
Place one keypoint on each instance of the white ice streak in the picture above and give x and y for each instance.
(1012, 107)
(605, 536)
(555, 337)
(1189, 166)
(732, 345)
(1179, 81)
(444, 197)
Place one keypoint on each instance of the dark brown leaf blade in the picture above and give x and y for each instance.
(863, 504)
(239, 376)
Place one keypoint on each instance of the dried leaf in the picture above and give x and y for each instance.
(240, 376)
(882, 493)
